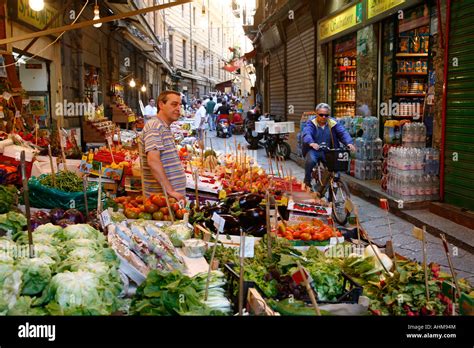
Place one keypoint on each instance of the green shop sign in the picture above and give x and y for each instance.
(340, 22)
(36, 19)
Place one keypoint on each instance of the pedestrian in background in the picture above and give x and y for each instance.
(210, 114)
(150, 110)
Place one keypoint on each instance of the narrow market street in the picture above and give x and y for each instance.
(374, 220)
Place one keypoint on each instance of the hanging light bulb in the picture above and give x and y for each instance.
(132, 83)
(96, 15)
(203, 11)
(36, 5)
(143, 89)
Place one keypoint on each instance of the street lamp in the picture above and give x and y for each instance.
(132, 83)
(143, 89)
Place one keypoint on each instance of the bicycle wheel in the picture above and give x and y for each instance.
(339, 192)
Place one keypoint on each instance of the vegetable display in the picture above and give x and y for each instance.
(73, 272)
(176, 294)
(65, 181)
(7, 198)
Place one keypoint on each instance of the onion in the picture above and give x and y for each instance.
(56, 214)
(370, 252)
(74, 215)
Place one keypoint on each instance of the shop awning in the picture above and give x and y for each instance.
(138, 32)
(223, 85)
(191, 76)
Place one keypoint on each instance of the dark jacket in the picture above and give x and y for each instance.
(339, 134)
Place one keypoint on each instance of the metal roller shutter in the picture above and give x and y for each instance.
(277, 82)
(300, 69)
(459, 175)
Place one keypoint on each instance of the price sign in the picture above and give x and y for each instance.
(219, 222)
(249, 250)
(109, 141)
(6, 96)
(298, 277)
(418, 233)
(17, 114)
(384, 204)
(105, 218)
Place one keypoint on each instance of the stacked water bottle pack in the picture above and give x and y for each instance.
(368, 165)
(414, 135)
(413, 174)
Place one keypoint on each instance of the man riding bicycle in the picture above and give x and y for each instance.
(322, 130)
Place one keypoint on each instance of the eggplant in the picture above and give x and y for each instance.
(250, 201)
(252, 217)
(230, 221)
(257, 231)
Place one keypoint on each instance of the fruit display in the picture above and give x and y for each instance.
(153, 208)
(315, 231)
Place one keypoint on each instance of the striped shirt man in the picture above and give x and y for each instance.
(157, 135)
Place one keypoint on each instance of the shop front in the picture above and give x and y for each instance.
(377, 60)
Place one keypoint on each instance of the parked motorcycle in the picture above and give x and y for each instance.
(276, 145)
(250, 135)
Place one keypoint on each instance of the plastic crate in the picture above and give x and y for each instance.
(338, 160)
(261, 126)
(233, 284)
(281, 127)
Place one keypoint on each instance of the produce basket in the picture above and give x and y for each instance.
(352, 292)
(47, 197)
(337, 160)
(233, 283)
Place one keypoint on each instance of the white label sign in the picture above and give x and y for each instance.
(249, 247)
(219, 222)
(105, 218)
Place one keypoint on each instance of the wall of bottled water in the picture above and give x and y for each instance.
(369, 148)
(413, 173)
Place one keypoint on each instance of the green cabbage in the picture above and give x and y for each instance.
(48, 228)
(36, 274)
(10, 286)
(80, 293)
(80, 231)
(23, 307)
(38, 238)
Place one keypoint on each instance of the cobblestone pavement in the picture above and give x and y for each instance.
(374, 221)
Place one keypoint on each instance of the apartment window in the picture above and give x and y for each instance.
(171, 48)
(212, 28)
(218, 34)
(184, 55)
(182, 10)
(204, 62)
(194, 15)
(195, 57)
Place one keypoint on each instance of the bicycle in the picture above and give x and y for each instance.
(326, 182)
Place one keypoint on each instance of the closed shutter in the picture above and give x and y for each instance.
(300, 70)
(300, 87)
(277, 82)
(459, 146)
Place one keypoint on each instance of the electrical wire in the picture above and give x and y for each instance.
(49, 45)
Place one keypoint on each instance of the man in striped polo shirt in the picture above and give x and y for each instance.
(162, 168)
